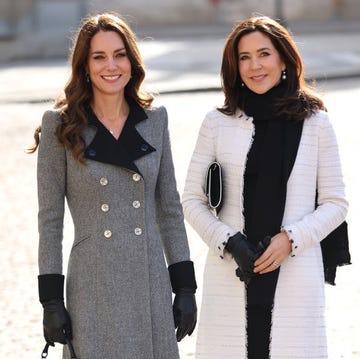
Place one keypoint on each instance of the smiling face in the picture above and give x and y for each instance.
(260, 65)
(108, 64)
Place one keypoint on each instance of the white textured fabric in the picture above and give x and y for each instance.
(298, 329)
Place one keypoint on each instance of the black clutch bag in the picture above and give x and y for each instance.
(214, 186)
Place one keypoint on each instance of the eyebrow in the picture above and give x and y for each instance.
(102, 52)
(259, 50)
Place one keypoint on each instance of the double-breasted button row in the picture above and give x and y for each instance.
(105, 207)
(108, 233)
(136, 204)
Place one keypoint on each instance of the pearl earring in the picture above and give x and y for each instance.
(242, 84)
(283, 75)
(87, 77)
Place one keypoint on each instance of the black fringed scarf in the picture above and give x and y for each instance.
(278, 149)
(269, 164)
(270, 161)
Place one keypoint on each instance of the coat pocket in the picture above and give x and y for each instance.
(79, 241)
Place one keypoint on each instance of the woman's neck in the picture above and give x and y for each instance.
(110, 109)
(112, 113)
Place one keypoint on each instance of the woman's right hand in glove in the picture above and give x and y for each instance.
(243, 252)
(56, 322)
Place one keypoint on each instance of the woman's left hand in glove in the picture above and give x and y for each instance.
(185, 312)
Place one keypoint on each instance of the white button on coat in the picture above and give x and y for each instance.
(107, 233)
(136, 204)
(138, 231)
(136, 177)
(104, 181)
(104, 207)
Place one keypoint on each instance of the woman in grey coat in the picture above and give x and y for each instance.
(106, 150)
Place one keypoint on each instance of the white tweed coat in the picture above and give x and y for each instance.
(298, 323)
(118, 287)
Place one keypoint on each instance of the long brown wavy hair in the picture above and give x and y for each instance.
(78, 91)
(300, 99)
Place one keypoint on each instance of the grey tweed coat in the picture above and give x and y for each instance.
(118, 291)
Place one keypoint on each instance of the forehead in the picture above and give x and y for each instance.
(254, 41)
(105, 40)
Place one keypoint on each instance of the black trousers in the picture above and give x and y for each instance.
(260, 299)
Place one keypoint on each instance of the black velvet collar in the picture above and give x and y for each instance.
(123, 151)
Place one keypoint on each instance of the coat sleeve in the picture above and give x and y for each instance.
(214, 232)
(51, 182)
(332, 203)
(168, 206)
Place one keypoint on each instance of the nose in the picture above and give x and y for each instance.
(255, 63)
(111, 64)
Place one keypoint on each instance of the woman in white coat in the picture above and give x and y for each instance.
(278, 151)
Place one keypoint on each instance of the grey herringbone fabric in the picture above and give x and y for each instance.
(118, 289)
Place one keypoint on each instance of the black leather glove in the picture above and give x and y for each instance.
(56, 319)
(185, 313)
(56, 322)
(245, 254)
(182, 278)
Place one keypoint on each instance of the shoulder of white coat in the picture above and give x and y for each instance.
(319, 118)
(214, 118)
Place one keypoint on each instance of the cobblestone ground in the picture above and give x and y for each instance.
(20, 312)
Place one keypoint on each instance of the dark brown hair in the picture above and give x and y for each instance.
(78, 91)
(299, 100)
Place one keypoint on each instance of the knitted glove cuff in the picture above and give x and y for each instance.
(51, 286)
(182, 275)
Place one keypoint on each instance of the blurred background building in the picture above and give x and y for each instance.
(43, 28)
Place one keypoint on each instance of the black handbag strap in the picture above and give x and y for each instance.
(44, 353)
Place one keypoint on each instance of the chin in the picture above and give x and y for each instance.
(260, 90)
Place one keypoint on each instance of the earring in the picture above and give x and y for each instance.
(242, 84)
(283, 75)
(87, 78)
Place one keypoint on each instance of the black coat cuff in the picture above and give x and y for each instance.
(182, 275)
(51, 286)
